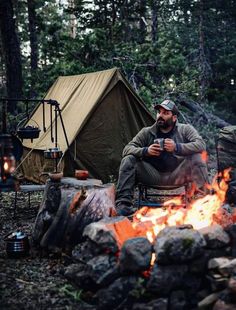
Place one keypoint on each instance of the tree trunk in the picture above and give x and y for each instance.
(204, 66)
(73, 22)
(11, 51)
(67, 208)
(154, 24)
(33, 45)
(2, 72)
(142, 21)
(124, 18)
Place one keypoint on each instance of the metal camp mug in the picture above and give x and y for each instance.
(160, 141)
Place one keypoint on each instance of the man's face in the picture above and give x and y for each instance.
(165, 118)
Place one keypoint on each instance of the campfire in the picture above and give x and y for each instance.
(165, 258)
(202, 212)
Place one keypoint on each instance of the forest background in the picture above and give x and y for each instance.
(178, 49)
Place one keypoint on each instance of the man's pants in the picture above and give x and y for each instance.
(134, 170)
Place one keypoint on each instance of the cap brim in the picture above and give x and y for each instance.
(156, 107)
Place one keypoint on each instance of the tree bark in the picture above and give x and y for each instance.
(11, 51)
(204, 66)
(142, 21)
(33, 45)
(154, 25)
(71, 4)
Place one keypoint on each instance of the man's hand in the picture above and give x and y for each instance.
(154, 150)
(169, 145)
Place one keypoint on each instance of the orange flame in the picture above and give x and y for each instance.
(204, 156)
(200, 213)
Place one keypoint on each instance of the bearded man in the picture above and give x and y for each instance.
(167, 153)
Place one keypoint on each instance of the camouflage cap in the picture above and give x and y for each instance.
(167, 105)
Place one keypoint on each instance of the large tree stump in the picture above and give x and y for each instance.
(67, 207)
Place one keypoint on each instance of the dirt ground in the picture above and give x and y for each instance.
(32, 282)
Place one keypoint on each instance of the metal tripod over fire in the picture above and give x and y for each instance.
(31, 132)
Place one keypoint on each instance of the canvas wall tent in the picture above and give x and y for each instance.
(101, 113)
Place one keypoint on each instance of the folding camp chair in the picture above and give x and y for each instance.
(156, 196)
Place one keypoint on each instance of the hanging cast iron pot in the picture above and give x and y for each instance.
(28, 132)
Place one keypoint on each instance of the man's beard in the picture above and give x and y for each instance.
(161, 123)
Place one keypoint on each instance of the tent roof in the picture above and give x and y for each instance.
(77, 95)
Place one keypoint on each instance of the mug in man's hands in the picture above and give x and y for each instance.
(160, 141)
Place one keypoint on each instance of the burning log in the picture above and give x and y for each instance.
(67, 209)
(200, 213)
(110, 234)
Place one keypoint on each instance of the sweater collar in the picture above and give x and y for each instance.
(154, 128)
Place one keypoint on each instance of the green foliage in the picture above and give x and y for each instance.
(161, 47)
(139, 290)
(70, 291)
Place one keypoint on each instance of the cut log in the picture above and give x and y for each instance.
(67, 208)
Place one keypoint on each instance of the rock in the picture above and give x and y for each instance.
(102, 239)
(216, 263)
(80, 277)
(109, 276)
(232, 231)
(99, 271)
(215, 237)
(193, 283)
(214, 253)
(177, 300)
(85, 251)
(72, 270)
(221, 305)
(160, 304)
(228, 296)
(217, 282)
(119, 292)
(110, 233)
(99, 265)
(164, 279)
(198, 265)
(135, 256)
(228, 268)
(175, 245)
(208, 302)
(232, 284)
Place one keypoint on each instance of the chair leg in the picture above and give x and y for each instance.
(29, 202)
(141, 195)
